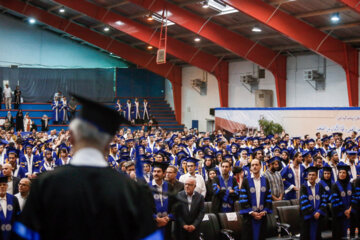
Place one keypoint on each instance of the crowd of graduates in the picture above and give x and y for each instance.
(252, 169)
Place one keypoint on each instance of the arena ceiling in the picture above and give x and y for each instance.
(314, 13)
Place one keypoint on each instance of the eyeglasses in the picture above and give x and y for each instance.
(22, 184)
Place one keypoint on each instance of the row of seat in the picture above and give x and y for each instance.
(208, 205)
(283, 223)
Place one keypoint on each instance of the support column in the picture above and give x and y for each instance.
(352, 74)
(176, 81)
(222, 76)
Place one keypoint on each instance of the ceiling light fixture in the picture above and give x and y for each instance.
(335, 17)
(197, 39)
(149, 17)
(32, 20)
(149, 47)
(106, 29)
(205, 4)
(62, 10)
(256, 29)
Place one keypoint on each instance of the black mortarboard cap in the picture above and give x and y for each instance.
(162, 165)
(312, 169)
(3, 179)
(105, 119)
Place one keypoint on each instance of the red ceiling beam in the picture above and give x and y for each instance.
(234, 42)
(179, 49)
(141, 58)
(353, 4)
(308, 36)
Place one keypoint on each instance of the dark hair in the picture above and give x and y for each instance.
(297, 154)
(225, 161)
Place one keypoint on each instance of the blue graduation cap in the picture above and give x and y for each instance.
(235, 145)
(219, 153)
(199, 149)
(189, 137)
(276, 148)
(351, 153)
(206, 139)
(191, 159)
(273, 159)
(182, 145)
(208, 156)
(305, 153)
(310, 140)
(113, 145)
(332, 153)
(285, 151)
(181, 154)
(325, 139)
(227, 156)
(129, 140)
(158, 140)
(327, 168)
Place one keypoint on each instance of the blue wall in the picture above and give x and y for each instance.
(30, 46)
(139, 82)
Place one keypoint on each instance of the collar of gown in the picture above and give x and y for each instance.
(89, 157)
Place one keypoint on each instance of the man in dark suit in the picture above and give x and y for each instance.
(175, 184)
(13, 182)
(190, 214)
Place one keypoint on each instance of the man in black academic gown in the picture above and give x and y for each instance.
(313, 200)
(255, 203)
(87, 199)
(9, 209)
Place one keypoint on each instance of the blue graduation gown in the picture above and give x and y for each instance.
(311, 228)
(56, 107)
(288, 176)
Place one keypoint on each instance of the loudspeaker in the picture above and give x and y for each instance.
(261, 73)
(212, 111)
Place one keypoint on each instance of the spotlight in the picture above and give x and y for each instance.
(106, 29)
(119, 23)
(335, 17)
(256, 29)
(205, 4)
(149, 47)
(62, 10)
(32, 20)
(197, 39)
(149, 18)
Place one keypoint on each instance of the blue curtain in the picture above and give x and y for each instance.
(132, 82)
(40, 85)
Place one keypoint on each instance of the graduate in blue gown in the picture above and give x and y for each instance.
(56, 107)
(146, 111)
(64, 118)
(313, 199)
(342, 211)
(254, 213)
(129, 111)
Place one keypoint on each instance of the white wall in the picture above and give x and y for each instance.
(239, 96)
(30, 46)
(299, 92)
(195, 106)
(169, 97)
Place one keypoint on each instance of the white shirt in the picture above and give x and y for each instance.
(312, 191)
(257, 184)
(159, 189)
(3, 204)
(89, 157)
(10, 189)
(353, 171)
(200, 183)
(21, 199)
(7, 92)
(189, 199)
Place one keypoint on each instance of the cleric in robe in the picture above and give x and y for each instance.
(87, 199)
